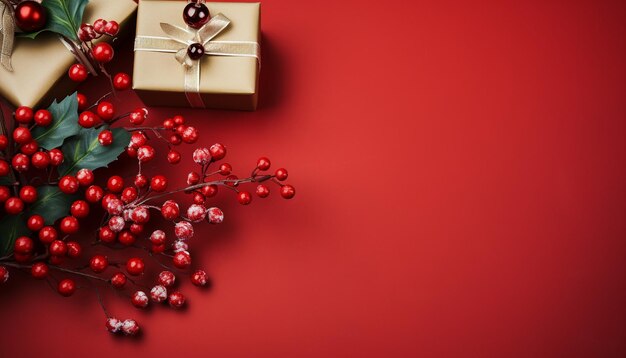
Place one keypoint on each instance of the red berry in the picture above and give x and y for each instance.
(170, 210)
(201, 156)
(232, 180)
(88, 119)
(111, 28)
(263, 163)
(117, 223)
(140, 215)
(262, 191)
(157, 249)
(183, 230)
(209, 191)
(106, 111)
(175, 139)
(68, 184)
(121, 81)
(138, 116)
(5, 193)
(118, 280)
(40, 160)
(141, 181)
(198, 198)
(66, 287)
(105, 137)
(4, 142)
(218, 151)
(136, 229)
(94, 193)
(35, 222)
(79, 209)
(126, 238)
(85, 177)
(178, 120)
(82, 101)
(196, 213)
(39, 270)
(29, 148)
(145, 153)
(287, 191)
(98, 26)
(193, 178)
(158, 183)
(57, 248)
(48, 234)
(173, 157)
(139, 299)
(215, 215)
(182, 259)
(56, 260)
(105, 234)
(281, 174)
(244, 198)
(115, 184)
(129, 194)
(168, 123)
(135, 266)
(77, 72)
(86, 33)
(113, 325)
(28, 194)
(20, 162)
(69, 225)
(137, 139)
(56, 157)
(43, 118)
(4, 274)
(98, 263)
(158, 293)
(4, 168)
(157, 237)
(190, 135)
(130, 327)
(199, 278)
(73, 249)
(13, 206)
(23, 114)
(167, 278)
(225, 169)
(176, 300)
(22, 135)
(103, 52)
(23, 245)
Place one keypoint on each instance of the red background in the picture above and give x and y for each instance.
(460, 169)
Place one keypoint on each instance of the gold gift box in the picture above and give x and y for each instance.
(40, 65)
(226, 82)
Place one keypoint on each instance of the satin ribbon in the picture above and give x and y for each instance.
(179, 39)
(7, 34)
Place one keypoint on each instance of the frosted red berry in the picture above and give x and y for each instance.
(176, 300)
(139, 299)
(200, 278)
(105, 137)
(167, 278)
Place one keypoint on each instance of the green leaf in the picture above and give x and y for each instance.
(64, 18)
(11, 227)
(51, 203)
(84, 150)
(64, 123)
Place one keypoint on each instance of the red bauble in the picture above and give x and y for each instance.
(30, 16)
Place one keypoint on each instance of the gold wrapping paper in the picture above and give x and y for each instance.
(226, 82)
(40, 66)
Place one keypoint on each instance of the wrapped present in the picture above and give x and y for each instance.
(37, 72)
(204, 64)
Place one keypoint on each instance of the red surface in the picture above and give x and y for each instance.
(461, 176)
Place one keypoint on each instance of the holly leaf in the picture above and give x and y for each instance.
(64, 18)
(64, 123)
(84, 150)
(52, 204)
(11, 227)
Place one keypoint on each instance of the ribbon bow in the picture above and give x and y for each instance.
(7, 33)
(181, 42)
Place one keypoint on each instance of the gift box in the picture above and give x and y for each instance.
(40, 65)
(226, 74)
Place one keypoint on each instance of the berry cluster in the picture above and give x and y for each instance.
(51, 245)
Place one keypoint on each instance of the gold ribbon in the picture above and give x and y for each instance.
(7, 32)
(179, 39)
